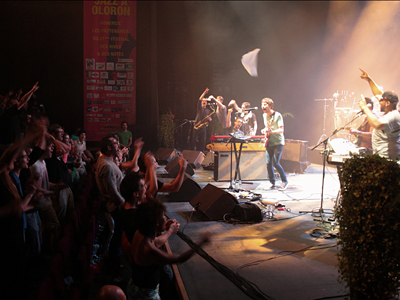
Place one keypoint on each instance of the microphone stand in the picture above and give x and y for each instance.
(325, 155)
(324, 129)
(230, 179)
(180, 126)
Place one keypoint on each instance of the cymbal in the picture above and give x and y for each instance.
(319, 148)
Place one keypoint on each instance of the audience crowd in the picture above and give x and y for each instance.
(83, 211)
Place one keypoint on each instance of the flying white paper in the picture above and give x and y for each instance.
(249, 62)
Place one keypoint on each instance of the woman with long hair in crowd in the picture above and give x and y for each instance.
(146, 258)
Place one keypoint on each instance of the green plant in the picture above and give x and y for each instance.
(369, 227)
(166, 131)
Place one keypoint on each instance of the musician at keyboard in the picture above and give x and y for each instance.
(249, 126)
(236, 126)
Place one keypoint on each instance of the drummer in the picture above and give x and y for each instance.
(364, 132)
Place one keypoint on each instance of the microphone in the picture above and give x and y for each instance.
(251, 108)
(361, 111)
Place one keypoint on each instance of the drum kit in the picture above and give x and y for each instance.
(339, 111)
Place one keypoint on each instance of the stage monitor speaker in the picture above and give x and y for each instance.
(214, 202)
(253, 165)
(188, 191)
(173, 168)
(194, 158)
(165, 155)
(209, 159)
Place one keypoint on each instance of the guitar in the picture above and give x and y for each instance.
(357, 138)
(269, 124)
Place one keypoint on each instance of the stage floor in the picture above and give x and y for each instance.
(287, 257)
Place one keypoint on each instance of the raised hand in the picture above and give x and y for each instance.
(362, 103)
(150, 161)
(364, 75)
(183, 162)
(138, 143)
(35, 87)
(172, 225)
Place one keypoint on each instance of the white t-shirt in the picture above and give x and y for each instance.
(40, 167)
(386, 142)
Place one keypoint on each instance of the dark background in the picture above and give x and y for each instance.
(309, 50)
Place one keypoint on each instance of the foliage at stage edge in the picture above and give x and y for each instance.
(369, 232)
(166, 133)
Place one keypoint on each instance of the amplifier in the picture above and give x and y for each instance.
(295, 150)
(294, 156)
(252, 165)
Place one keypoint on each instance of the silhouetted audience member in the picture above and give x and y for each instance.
(12, 207)
(108, 179)
(10, 119)
(59, 174)
(110, 292)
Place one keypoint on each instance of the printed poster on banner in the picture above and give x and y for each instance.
(109, 66)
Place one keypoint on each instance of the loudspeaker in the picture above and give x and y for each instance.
(194, 158)
(165, 155)
(173, 168)
(295, 150)
(294, 156)
(188, 191)
(252, 165)
(209, 159)
(214, 202)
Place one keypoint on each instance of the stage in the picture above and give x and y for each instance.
(286, 256)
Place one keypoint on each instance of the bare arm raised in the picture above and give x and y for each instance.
(372, 119)
(204, 93)
(27, 96)
(374, 87)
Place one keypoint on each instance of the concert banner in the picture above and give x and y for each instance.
(109, 66)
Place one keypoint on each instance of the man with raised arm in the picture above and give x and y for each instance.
(221, 112)
(386, 133)
(249, 118)
(201, 123)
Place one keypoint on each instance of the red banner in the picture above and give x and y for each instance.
(109, 66)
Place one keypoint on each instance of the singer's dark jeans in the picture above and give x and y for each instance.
(273, 155)
(199, 139)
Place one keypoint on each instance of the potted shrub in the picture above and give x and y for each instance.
(369, 227)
